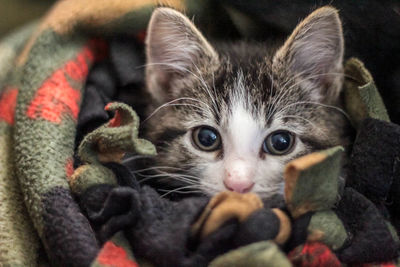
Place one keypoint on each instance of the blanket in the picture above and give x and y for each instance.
(56, 211)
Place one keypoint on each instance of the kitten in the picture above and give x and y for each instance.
(231, 116)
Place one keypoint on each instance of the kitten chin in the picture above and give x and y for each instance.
(231, 116)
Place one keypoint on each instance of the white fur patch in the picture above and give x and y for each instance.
(244, 140)
(243, 133)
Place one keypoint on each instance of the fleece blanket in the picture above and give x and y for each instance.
(54, 211)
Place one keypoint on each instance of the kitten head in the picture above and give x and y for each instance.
(230, 117)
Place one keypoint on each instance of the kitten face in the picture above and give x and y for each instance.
(232, 117)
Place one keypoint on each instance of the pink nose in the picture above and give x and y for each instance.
(238, 185)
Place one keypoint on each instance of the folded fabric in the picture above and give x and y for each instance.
(319, 210)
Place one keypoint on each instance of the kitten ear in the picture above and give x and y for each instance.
(314, 54)
(174, 49)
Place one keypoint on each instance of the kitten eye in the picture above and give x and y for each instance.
(206, 138)
(278, 143)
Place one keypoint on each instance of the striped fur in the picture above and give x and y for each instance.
(245, 91)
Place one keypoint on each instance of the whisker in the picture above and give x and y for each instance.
(315, 103)
(305, 79)
(183, 192)
(200, 79)
(279, 98)
(178, 189)
(308, 121)
(135, 157)
(188, 180)
(285, 91)
(205, 86)
(170, 103)
(156, 168)
(309, 77)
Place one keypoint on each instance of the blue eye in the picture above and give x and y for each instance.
(206, 138)
(278, 143)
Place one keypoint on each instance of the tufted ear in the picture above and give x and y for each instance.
(314, 54)
(175, 49)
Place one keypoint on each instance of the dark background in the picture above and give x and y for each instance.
(14, 13)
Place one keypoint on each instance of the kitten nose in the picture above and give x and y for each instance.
(240, 186)
(238, 177)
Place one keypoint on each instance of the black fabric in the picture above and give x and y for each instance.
(127, 60)
(159, 229)
(371, 240)
(373, 162)
(276, 201)
(93, 198)
(111, 208)
(119, 211)
(261, 225)
(124, 176)
(62, 215)
(217, 243)
(299, 231)
(161, 232)
(393, 202)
